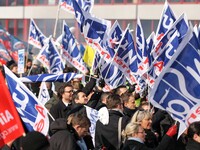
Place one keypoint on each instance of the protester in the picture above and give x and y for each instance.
(34, 141)
(129, 104)
(134, 136)
(109, 136)
(61, 109)
(68, 134)
(144, 118)
(193, 134)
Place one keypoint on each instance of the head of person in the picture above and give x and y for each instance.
(128, 100)
(34, 141)
(80, 122)
(143, 117)
(114, 102)
(29, 63)
(134, 130)
(104, 97)
(193, 131)
(79, 97)
(65, 92)
(120, 90)
(14, 68)
(76, 83)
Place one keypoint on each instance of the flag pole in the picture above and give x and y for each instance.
(56, 22)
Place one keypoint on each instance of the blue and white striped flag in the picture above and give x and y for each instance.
(66, 77)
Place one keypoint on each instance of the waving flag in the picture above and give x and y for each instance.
(10, 125)
(50, 57)
(166, 20)
(36, 37)
(167, 46)
(4, 55)
(11, 43)
(143, 55)
(112, 75)
(43, 95)
(86, 5)
(177, 88)
(94, 30)
(70, 50)
(31, 111)
(89, 55)
(66, 77)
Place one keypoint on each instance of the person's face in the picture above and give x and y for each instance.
(82, 98)
(67, 95)
(82, 131)
(15, 69)
(122, 90)
(146, 123)
(76, 84)
(140, 134)
(196, 137)
(131, 103)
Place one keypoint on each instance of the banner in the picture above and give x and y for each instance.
(10, 123)
(32, 112)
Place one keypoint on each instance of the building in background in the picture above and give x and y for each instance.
(15, 14)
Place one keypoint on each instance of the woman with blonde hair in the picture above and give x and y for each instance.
(144, 118)
(134, 137)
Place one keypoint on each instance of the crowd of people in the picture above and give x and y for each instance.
(126, 120)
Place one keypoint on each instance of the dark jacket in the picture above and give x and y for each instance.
(64, 136)
(60, 110)
(107, 135)
(135, 145)
(151, 140)
(192, 145)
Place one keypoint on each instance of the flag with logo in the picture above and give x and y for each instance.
(32, 112)
(50, 57)
(36, 37)
(86, 5)
(43, 95)
(176, 90)
(10, 125)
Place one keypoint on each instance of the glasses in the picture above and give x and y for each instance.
(71, 91)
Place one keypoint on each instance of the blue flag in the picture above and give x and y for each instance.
(32, 112)
(177, 88)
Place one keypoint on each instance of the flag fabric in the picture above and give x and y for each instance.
(11, 43)
(4, 55)
(166, 20)
(32, 112)
(50, 57)
(143, 55)
(167, 47)
(88, 56)
(177, 88)
(10, 124)
(43, 95)
(86, 5)
(66, 77)
(94, 30)
(71, 52)
(36, 37)
(93, 115)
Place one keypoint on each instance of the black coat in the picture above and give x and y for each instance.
(60, 110)
(64, 136)
(107, 135)
(192, 145)
(135, 145)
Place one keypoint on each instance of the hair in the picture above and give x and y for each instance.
(118, 89)
(75, 95)
(140, 115)
(125, 96)
(130, 129)
(113, 101)
(61, 90)
(194, 128)
(104, 95)
(78, 119)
